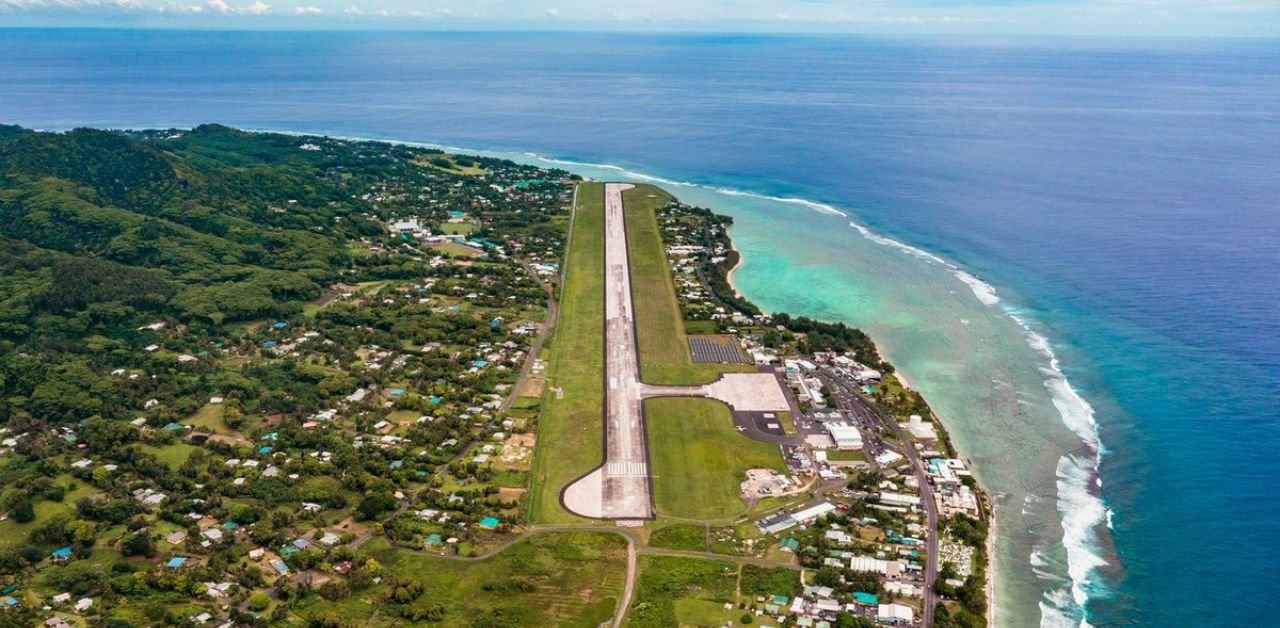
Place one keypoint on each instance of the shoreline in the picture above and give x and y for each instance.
(742, 258)
(616, 171)
(988, 508)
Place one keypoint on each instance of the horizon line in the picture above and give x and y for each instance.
(561, 29)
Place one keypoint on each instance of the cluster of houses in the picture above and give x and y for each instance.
(896, 561)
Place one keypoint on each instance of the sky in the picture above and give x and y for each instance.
(1238, 18)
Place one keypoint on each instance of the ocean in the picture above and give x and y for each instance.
(1070, 246)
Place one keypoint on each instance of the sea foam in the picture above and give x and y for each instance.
(1080, 505)
(1080, 508)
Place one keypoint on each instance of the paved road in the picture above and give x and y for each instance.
(862, 407)
(619, 489)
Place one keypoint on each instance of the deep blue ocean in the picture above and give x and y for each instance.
(1123, 193)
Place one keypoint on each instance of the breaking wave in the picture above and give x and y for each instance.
(1080, 505)
(1079, 502)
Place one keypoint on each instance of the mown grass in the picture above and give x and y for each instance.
(571, 428)
(174, 454)
(698, 459)
(554, 579)
(457, 228)
(681, 536)
(660, 326)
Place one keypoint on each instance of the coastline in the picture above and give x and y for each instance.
(728, 277)
(987, 505)
(984, 293)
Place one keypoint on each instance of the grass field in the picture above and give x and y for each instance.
(571, 428)
(453, 249)
(681, 536)
(683, 591)
(559, 579)
(706, 328)
(209, 417)
(454, 228)
(698, 459)
(660, 327)
(14, 534)
(174, 454)
(428, 161)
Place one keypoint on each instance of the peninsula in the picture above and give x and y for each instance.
(261, 379)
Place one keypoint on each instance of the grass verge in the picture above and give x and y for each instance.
(571, 426)
(698, 459)
(660, 326)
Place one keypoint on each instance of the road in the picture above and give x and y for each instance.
(847, 393)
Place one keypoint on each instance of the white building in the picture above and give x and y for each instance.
(846, 436)
(812, 512)
(896, 614)
(899, 499)
(920, 428)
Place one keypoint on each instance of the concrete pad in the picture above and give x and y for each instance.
(749, 392)
(586, 496)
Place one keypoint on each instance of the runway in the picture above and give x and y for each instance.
(620, 488)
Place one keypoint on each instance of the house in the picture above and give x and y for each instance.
(175, 538)
(895, 614)
(83, 604)
(61, 598)
(61, 554)
(489, 523)
(176, 562)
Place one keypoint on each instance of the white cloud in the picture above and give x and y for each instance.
(353, 10)
(220, 6)
(308, 10)
(552, 13)
(258, 8)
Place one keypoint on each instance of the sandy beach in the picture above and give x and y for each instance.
(741, 258)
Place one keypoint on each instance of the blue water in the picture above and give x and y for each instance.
(1124, 194)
